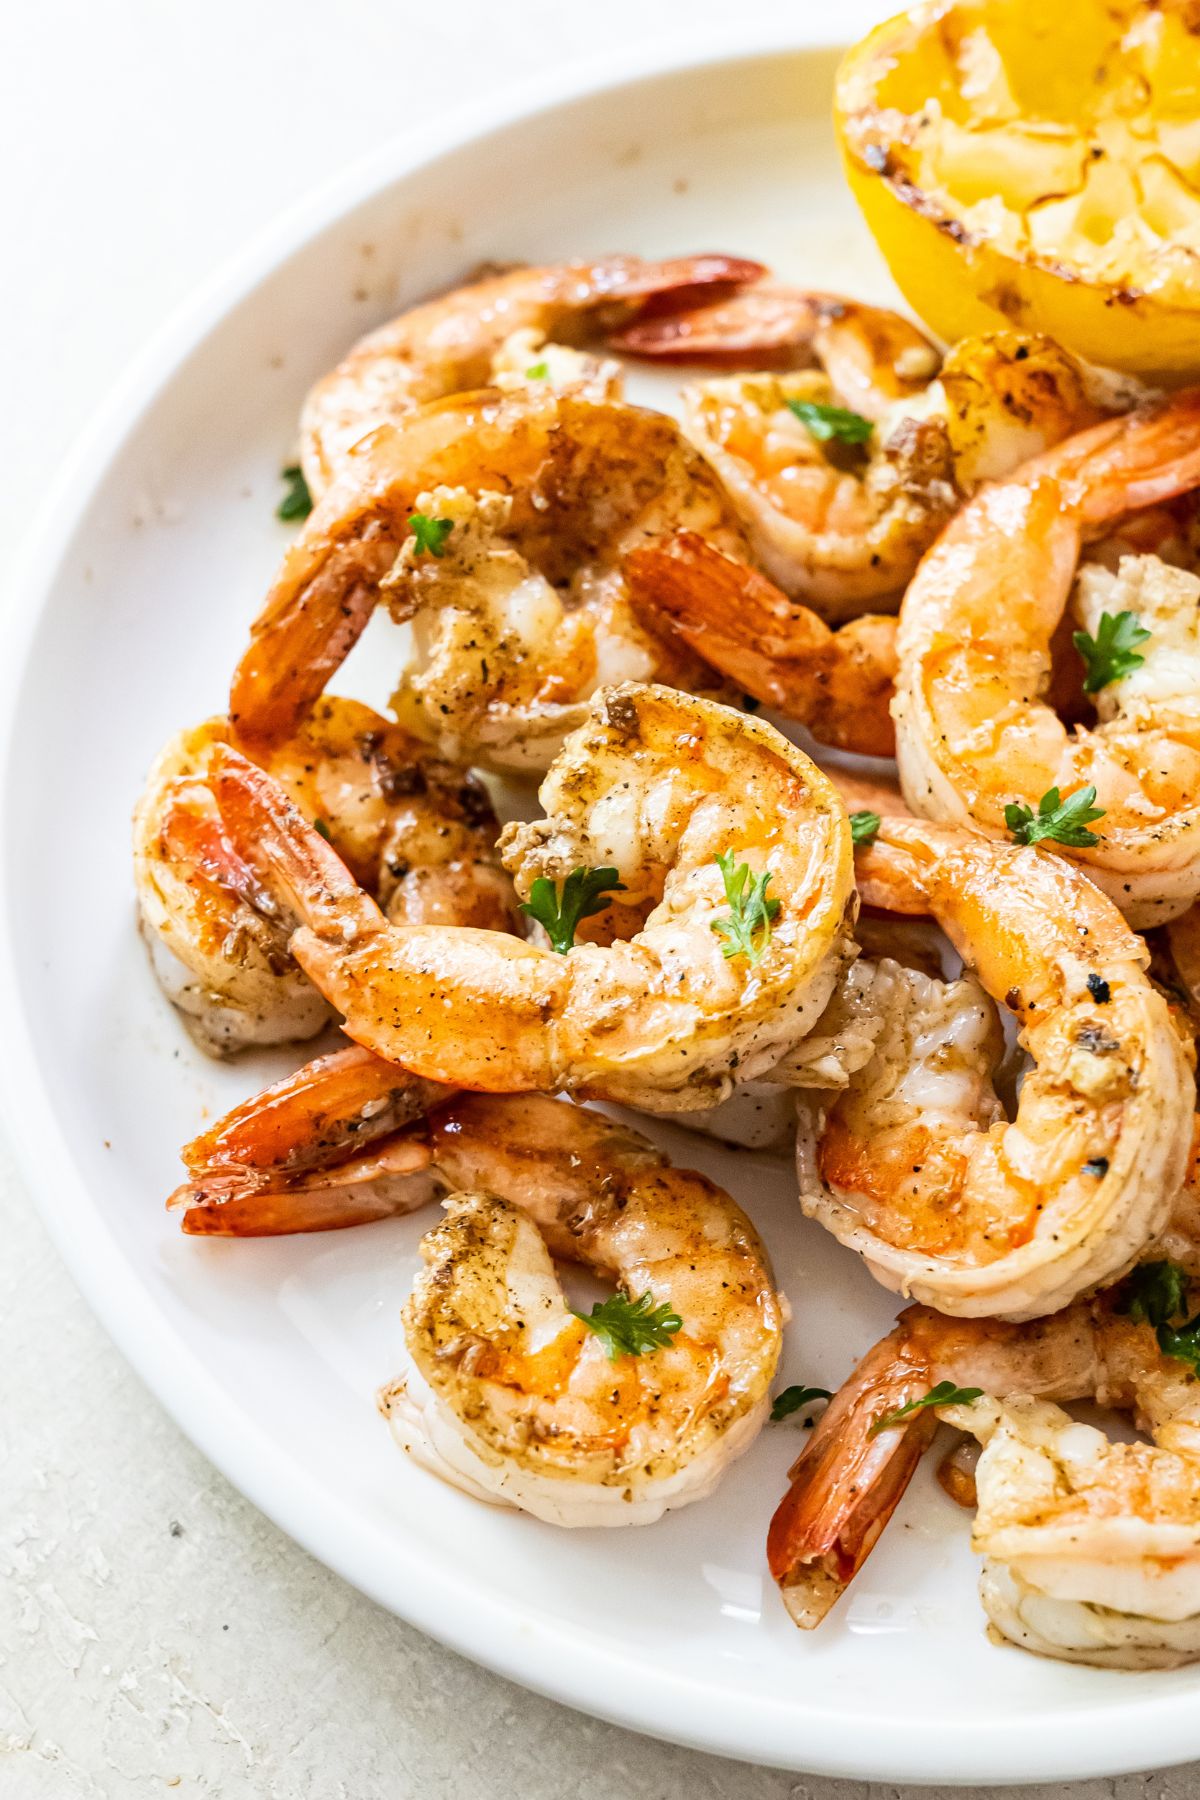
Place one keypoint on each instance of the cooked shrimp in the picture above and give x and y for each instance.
(419, 834)
(1091, 1548)
(915, 1165)
(656, 785)
(973, 733)
(838, 683)
(520, 611)
(509, 1395)
(462, 339)
(840, 513)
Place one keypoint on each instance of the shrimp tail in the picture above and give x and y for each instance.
(763, 326)
(321, 603)
(324, 1113)
(839, 683)
(848, 1481)
(391, 1178)
(676, 284)
(291, 857)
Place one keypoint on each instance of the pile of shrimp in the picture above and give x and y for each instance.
(959, 984)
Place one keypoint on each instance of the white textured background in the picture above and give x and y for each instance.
(156, 1635)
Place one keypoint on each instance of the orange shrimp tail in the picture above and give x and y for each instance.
(290, 856)
(848, 1481)
(676, 284)
(764, 326)
(317, 609)
(839, 684)
(249, 1203)
(326, 1111)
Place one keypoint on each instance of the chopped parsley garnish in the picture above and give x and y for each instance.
(747, 930)
(584, 892)
(1154, 1293)
(538, 371)
(793, 1399)
(863, 826)
(1099, 989)
(1064, 821)
(629, 1327)
(826, 423)
(431, 534)
(944, 1394)
(1182, 1342)
(297, 502)
(1113, 652)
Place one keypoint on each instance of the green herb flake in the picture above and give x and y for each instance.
(628, 1327)
(297, 502)
(795, 1399)
(747, 930)
(584, 892)
(1181, 1342)
(431, 534)
(863, 827)
(944, 1394)
(1113, 652)
(1063, 821)
(1154, 1293)
(831, 423)
(538, 371)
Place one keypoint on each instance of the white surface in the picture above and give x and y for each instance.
(129, 1671)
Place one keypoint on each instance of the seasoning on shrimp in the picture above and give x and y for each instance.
(913, 1161)
(976, 734)
(655, 785)
(420, 834)
(494, 330)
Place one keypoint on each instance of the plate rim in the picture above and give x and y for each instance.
(1077, 1742)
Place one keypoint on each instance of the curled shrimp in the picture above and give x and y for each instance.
(419, 834)
(509, 1395)
(462, 339)
(1091, 1548)
(840, 509)
(656, 786)
(520, 608)
(974, 729)
(915, 1165)
(838, 683)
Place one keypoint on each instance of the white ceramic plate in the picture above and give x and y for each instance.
(133, 605)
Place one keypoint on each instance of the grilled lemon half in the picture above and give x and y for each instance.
(1032, 164)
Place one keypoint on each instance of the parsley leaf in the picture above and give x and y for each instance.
(628, 1327)
(944, 1394)
(863, 826)
(1181, 1341)
(431, 534)
(297, 502)
(1065, 821)
(538, 371)
(747, 930)
(584, 892)
(1154, 1293)
(831, 422)
(1112, 653)
(793, 1399)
